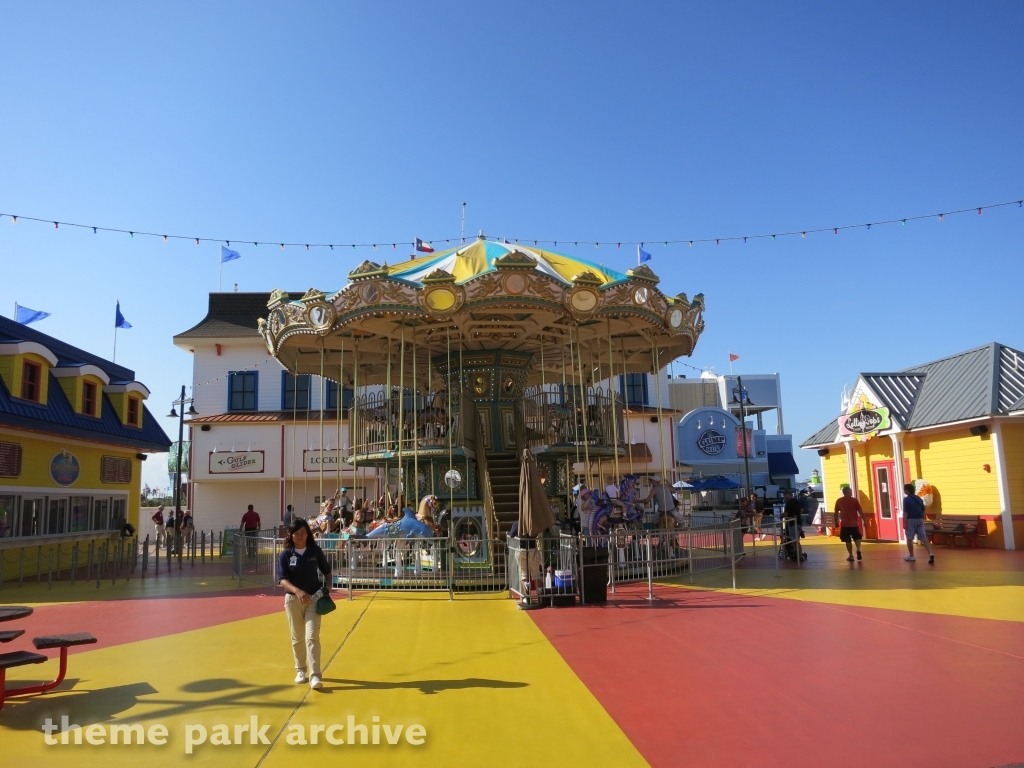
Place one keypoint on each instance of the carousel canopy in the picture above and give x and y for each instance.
(555, 316)
(478, 258)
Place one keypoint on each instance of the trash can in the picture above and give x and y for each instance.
(594, 584)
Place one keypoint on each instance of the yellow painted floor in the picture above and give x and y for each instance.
(983, 584)
(496, 695)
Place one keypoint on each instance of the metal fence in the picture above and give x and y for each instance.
(560, 569)
(56, 561)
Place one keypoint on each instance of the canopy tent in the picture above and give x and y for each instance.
(718, 483)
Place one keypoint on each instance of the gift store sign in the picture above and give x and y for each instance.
(236, 462)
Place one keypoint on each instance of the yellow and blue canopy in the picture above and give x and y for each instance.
(468, 261)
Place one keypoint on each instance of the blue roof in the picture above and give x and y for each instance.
(58, 417)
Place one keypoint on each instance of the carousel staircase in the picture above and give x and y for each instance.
(504, 471)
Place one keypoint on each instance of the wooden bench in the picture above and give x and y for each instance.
(21, 658)
(952, 526)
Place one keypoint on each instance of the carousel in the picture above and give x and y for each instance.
(461, 361)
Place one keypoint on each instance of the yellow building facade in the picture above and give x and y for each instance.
(74, 431)
(955, 425)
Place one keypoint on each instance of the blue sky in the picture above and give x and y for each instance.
(596, 121)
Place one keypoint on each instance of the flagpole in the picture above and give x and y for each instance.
(15, 311)
(114, 359)
(730, 364)
(220, 273)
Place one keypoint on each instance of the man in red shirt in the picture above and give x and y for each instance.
(250, 528)
(851, 519)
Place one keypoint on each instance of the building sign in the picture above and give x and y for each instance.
(744, 448)
(712, 442)
(64, 468)
(236, 462)
(312, 460)
(864, 420)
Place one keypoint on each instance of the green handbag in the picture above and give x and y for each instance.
(324, 603)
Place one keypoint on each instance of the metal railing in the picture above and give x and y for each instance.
(414, 564)
(383, 422)
(62, 560)
(573, 418)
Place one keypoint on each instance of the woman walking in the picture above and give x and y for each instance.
(298, 571)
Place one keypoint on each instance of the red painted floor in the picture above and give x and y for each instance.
(114, 622)
(712, 679)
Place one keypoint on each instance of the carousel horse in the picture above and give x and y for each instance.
(406, 527)
(614, 514)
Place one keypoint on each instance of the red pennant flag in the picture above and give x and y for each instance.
(733, 358)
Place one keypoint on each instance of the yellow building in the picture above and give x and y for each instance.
(74, 430)
(956, 424)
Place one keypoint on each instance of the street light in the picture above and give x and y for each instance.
(182, 401)
(742, 398)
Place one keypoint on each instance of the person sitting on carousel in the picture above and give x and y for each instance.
(405, 527)
(359, 526)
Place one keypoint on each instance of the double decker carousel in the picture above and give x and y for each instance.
(461, 360)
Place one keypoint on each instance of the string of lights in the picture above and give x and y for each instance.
(251, 366)
(803, 233)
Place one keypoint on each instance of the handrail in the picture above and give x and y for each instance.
(559, 418)
(425, 421)
(490, 520)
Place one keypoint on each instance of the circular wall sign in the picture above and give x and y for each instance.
(64, 468)
(712, 442)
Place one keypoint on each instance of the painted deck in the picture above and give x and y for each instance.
(873, 663)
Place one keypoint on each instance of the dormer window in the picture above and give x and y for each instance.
(89, 398)
(31, 381)
(133, 411)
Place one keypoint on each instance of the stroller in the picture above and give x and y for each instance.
(788, 547)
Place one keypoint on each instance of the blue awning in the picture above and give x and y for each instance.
(780, 464)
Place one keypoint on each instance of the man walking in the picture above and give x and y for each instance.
(851, 518)
(913, 523)
(158, 521)
(665, 501)
(250, 528)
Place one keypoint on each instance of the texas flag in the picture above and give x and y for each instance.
(424, 247)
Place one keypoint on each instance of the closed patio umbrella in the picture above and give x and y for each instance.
(534, 508)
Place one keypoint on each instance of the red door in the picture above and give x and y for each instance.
(885, 501)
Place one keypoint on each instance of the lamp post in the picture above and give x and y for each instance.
(182, 401)
(741, 398)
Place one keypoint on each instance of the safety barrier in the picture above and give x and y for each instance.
(111, 557)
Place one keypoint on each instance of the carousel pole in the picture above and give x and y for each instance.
(321, 421)
(387, 429)
(430, 398)
(625, 407)
(448, 420)
(462, 414)
(575, 424)
(354, 427)
(295, 397)
(403, 491)
(611, 397)
(661, 417)
(337, 412)
(415, 424)
(583, 392)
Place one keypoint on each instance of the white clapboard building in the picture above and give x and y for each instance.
(257, 438)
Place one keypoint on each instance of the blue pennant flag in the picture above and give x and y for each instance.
(119, 321)
(226, 254)
(642, 255)
(24, 315)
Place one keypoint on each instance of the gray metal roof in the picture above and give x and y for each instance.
(230, 315)
(824, 436)
(986, 381)
(899, 391)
